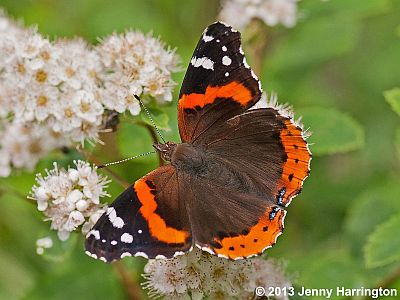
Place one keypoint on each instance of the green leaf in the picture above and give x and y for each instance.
(298, 50)
(160, 118)
(78, 277)
(397, 141)
(332, 130)
(331, 269)
(61, 250)
(383, 246)
(393, 98)
(369, 210)
(346, 8)
(133, 139)
(15, 276)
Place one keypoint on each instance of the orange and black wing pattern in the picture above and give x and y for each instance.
(259, 159)
(146, 220)
(270, 147)
(218, 84)
(230, 217)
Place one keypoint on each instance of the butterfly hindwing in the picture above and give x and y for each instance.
(268, 146)
(218, 84)
(256, 163)
(226, 219)
(147, 220)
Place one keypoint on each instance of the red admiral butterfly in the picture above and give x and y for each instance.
(228, 181)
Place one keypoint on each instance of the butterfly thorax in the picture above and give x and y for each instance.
(183, 156)
(165, 150)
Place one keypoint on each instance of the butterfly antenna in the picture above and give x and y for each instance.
(150, 117)
(124, 160)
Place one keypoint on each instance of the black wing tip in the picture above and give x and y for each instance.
(218, 28)
(222, 24)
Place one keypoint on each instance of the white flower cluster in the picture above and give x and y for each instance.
(70, 198)
(239, 13)
(50, 83)
(135, 64)
(67, 85)
(23, 144)
(200, 274)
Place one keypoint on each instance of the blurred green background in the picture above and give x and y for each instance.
(333, 67)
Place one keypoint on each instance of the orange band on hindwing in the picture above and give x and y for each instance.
(257, 239)
(296, 167)
(157, 226)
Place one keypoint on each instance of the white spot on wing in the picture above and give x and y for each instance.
(114, 219)
(103, 259)
(224, 48)
(246, 65)
(95, 233)
(226, 74)
(254, 75)
(226, 60)
(127, 238)
(125, 254)
(179, 253)
(218, 41)
(103, 240)
(204, 62)
(114, 243)
(237, 258)
(142, 254)
(207, 38)
(140, 231)
(91, 255)
(206, 249)
(160, 257)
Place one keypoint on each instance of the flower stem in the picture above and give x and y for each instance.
(257, 40)
(131, 287)
(390, 279)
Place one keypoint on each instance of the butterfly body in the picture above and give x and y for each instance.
(227, 184)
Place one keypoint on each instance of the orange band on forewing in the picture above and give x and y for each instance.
(237, 91)
(296, 167)
(260, 236)
(157, 226)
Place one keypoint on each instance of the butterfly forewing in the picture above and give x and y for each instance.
(218, 84)
(147, 219)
